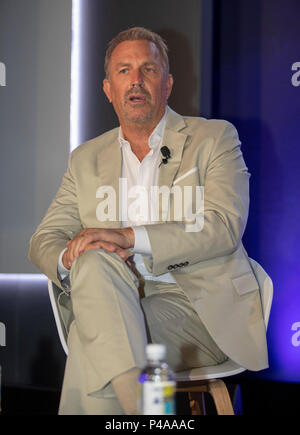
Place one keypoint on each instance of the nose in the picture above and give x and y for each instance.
(137, 78)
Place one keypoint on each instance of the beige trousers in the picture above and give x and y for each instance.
(112, 325)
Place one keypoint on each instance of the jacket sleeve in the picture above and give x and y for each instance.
(60, 224)
(226, 203)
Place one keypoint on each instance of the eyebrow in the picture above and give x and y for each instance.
(123, 64)
(120, 64)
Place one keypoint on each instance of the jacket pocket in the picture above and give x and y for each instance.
(245, 283)
(182, 177)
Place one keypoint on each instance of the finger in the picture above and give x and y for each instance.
(92, 246)
(71, 247)
(129, 263)
(66, 259)
(102, 234)
(74, 247)
(109, 247)
(105, 234)
(76, 242)
(80, 243)
(91, 235)
(125, 254)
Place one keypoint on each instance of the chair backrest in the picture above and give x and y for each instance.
(266, 289)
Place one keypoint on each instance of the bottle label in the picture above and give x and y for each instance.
(158, 398)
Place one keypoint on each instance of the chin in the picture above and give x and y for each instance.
(139, 118)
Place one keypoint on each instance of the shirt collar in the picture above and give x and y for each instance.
(155, 137)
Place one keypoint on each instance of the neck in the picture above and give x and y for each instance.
(139, 141)
(138, 135)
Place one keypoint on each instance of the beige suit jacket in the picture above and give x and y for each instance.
(210, 265)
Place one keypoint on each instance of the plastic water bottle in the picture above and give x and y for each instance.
(156, 384)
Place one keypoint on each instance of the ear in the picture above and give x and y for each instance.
(106, 89)
(170, 82)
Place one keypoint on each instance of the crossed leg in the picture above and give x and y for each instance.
(108, 337)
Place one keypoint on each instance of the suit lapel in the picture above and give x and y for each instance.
(175, 141)
(110, 171)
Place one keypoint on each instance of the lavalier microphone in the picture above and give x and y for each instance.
(166, 155)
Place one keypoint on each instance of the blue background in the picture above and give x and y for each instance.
(256, 43)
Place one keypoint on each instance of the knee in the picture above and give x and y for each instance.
(99, 266)
(90, 262)
(88, 257)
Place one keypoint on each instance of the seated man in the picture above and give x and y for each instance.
(138, 254)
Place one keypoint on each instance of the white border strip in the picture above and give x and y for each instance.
(75, 76)
(22, 277)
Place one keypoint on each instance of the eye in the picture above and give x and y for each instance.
(123, 71)
(149, 69)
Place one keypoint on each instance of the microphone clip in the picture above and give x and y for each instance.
(166, 155)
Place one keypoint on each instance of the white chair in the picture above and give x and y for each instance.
(197, 381)
(54, 293)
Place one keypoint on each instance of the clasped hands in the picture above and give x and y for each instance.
(111, 240)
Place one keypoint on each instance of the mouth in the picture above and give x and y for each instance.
(137, 99)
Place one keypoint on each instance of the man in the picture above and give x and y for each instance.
(189, 284)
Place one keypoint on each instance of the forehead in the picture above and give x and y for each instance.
(132, 51)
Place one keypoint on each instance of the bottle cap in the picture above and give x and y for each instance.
(156, 351)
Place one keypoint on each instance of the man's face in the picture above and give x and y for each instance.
(138, 87)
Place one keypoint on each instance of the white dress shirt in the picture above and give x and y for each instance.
(137, 179)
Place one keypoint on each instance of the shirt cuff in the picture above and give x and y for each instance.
(62, 271)
(142, 242)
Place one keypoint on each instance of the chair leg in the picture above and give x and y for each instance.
(219, 392)
(197, 403)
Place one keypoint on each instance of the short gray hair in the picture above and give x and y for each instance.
(136, 34)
